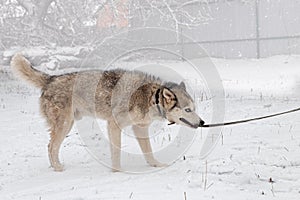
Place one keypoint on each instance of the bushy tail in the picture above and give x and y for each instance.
(22, 68)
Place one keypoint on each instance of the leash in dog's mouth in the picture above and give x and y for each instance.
(245, 120)
(189, 123)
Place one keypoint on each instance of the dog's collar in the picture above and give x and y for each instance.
(161, 111)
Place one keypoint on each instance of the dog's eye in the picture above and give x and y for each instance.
(188, 110)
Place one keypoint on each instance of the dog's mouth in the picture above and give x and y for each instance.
(171, 123)
(189, 123)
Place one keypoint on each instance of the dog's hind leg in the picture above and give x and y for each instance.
(58, 134)
(142, 137)
(114, 133)
(57, 137)
(61, 122)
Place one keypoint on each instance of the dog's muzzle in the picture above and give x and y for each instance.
(201, 123)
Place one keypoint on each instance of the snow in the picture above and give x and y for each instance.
(259, 160)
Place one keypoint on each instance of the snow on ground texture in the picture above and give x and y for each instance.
(258, 160)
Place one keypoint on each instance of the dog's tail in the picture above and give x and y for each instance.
(22, 68)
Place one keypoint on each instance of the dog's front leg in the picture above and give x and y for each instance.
(114, 133)
(141, 133)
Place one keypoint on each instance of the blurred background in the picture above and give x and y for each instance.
(224, 28)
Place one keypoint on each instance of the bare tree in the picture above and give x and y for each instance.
(36, 9)
(71, 23)
(120, 13)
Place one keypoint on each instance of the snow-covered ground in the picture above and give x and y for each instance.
(258, 160)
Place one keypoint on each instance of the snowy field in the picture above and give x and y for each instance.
(258, 160)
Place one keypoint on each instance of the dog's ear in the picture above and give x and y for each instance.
(182, 85)
(169, 99)
(168, 95)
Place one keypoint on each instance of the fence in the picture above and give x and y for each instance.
(252, 29)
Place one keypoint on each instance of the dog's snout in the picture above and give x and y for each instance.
(202, 122)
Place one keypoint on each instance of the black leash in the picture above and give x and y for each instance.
(163, 114)
(248, 120)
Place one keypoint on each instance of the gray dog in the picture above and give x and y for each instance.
(123, 98)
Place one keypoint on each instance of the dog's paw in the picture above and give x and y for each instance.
(157, 164)
(115, 170)
(58, 168)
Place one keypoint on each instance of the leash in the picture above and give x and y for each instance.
(163, 114)
(248, 120)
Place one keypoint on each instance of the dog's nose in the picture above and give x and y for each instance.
(202, 122)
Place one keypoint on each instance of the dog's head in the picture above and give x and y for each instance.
(178, 105)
